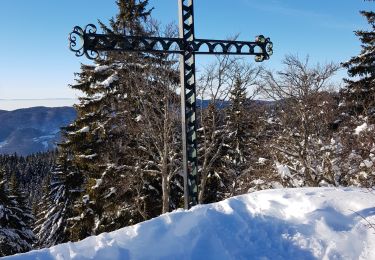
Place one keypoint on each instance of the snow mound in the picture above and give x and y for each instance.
(305, 223)
(360, 128)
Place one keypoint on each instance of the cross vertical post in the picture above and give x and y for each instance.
(188, 105)
(90, 43)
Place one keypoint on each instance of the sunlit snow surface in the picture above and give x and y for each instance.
(307, 223)
(360, 128)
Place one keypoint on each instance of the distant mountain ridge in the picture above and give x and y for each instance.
(37, 129)
(30, 130)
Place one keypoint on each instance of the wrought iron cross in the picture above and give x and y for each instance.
(187, 45)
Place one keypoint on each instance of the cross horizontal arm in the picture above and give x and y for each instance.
(92, 44)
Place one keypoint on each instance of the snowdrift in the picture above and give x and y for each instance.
(307, 223)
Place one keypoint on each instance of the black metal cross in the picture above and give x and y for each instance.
(187, 45)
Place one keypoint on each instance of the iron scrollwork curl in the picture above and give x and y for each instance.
(269, 47)
(266, 46)
(79, 38)
(90, 29)
(77, 35)
(88, 37)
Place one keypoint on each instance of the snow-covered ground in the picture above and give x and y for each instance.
(306, 223)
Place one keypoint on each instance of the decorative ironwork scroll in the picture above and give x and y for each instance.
(88, 42)
(79, 39)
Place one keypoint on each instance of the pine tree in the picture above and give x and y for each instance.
(8, 235)
(100, 138)
(53, 222)
(30, 171)
(357, 107)
(107, 141)
(40, 210)
(239, 149)
(224, 127)
(23, 211)
(211, 139)
(15, 219)
(359, 93)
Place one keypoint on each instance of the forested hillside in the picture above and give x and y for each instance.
(32, 130)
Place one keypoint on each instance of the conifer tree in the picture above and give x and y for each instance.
(357, 107)
(100, 138)
(359, 93)
(15, 219)
(211, 136)
(107, 141)
(224, 127)
(25, 212)
(40, 210)
(52, 225)
(30, 170)
(8, 235)
(238, 150)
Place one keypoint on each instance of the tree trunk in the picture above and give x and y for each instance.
(164, 167)
(166, 191)
(202, 187)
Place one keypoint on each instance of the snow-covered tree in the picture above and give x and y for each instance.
(357, 119)
(101, 139)
(8, 235)
(224, 127)
(22, 210)
(304, 110)
(40, 210)
(30, 170)
(214, 85)
(159, 126)
(359, 93)
(124, 140)
(56, 207)
(242, 128)
(16, 235)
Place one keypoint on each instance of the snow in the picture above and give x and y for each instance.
(101, 68)
(112, 191)
(283, 170)
(3, 143)
(97, 184)
(360, 128)
(262, 160)
(89, 156)
(106, 83)
(86, 199)
(84, 129)
(138, 118)
(270, 120)
(368, 163)
(303, 223)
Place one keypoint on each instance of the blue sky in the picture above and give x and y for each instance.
(36, 63)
